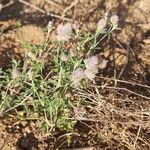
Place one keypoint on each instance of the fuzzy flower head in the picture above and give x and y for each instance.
(114, 20)
(101, 24)
(91, 62)
(91, 65)
(64, 32)
(77, 75)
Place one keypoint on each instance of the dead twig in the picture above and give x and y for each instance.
(44, 12)
(134, 146)
(127, 63)
(124, 81)
(7, 5)
(127, 90)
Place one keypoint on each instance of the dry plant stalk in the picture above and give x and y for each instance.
(47, 13)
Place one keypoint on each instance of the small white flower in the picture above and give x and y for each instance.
(114, 20)
(64, 32)
(89, 74)
(101, 24)
(77, 75)
(91, 62)
(91, 65)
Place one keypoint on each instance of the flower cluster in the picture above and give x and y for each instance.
(64, 32)
(103, 22)
(92, 65)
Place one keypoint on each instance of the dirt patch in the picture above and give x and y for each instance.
(30, 34)
(12, 42)
(18, 135)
